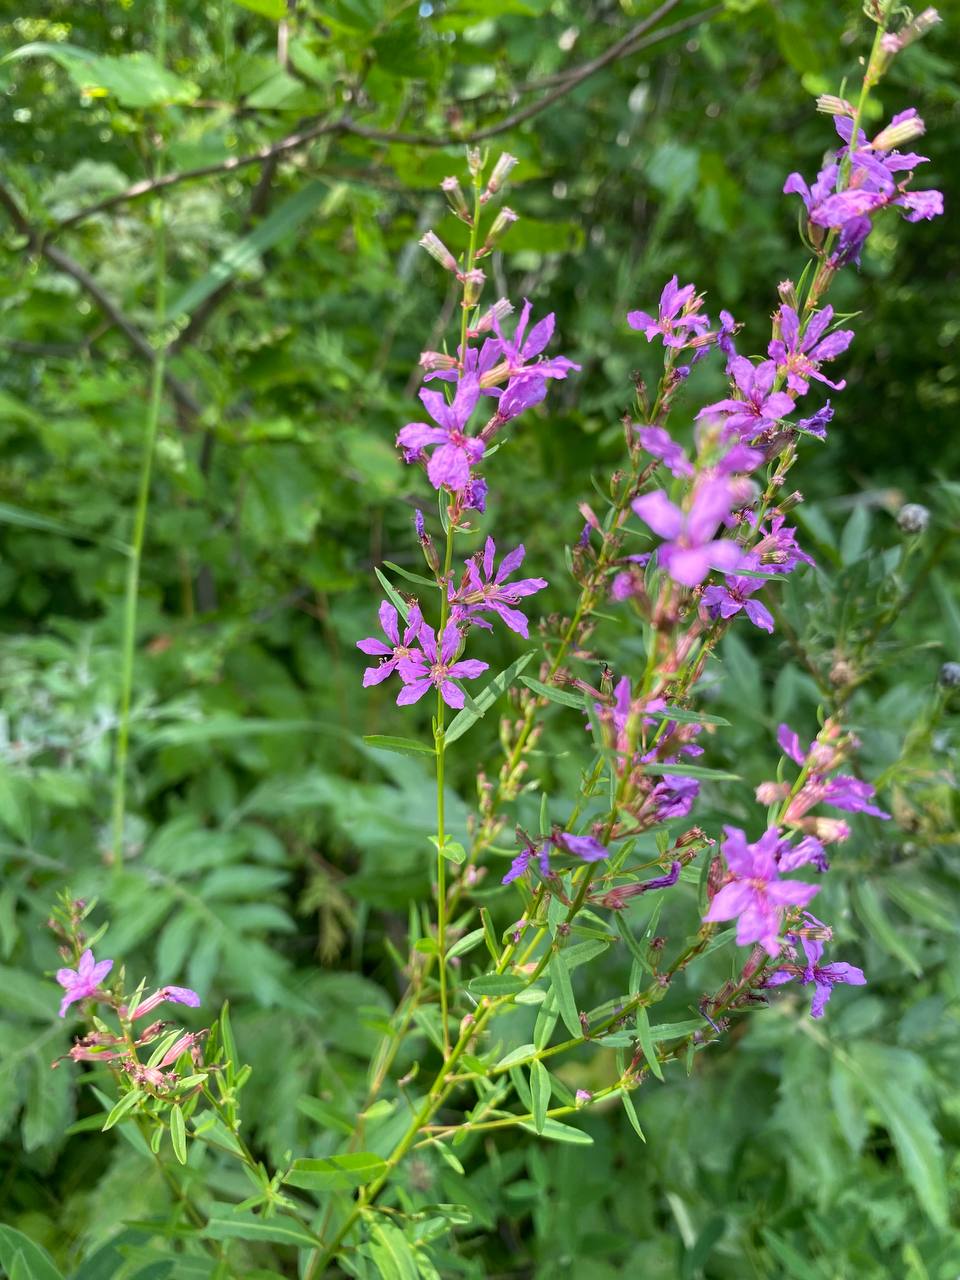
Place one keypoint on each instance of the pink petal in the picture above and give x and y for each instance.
(449, 468)
(451, 695)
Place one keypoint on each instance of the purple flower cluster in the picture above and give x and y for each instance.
(754, 895)
(864, 178)
(516, 362)
(421, 658)
(823, 977)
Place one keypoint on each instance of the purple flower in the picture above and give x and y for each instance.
(475, 495)
(523, 859)
(396, 650)
(727, 600)
(678, 320)
(756, 896)
(673, 797)
(82, 983)
(853, 795)
(449, 465)
(481, 589)
(518, 352)
(430, 666)
(809, 852)
(872, 184)
(175, 995)
(799, 355)
(584, 847)
(760, 406)
(824, 977)
(778, 546)
(659, 444)
(691, 550)
(817, 425)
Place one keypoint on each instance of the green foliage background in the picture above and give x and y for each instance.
(271, 856)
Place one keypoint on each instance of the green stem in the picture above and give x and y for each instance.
(440, 748)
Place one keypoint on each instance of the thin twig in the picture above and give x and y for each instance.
(70, 267)
(629, 43)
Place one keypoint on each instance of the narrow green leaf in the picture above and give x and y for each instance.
(178, 1134)
(655, 769)
(121, 1108)
(245, 253)
(557, 1132)
(632, 1116)
(496, 984)
(681, 716)
(245, 1226)
(391, 1254)
(336, 1173)
(466, 943)
(324, 1114)
(418, 578)
(396, 599)
(646, 1042)
(24, 519)
(402, 746)
(540, 1090)
(519, 1054)
(563, 696)
(482, 703)
(489, 935)
(566, 1002)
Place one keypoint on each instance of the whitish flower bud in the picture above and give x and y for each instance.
(914, 30)
(438, 251)
(583, 1096)
(431, 361)
(788, 294)
(499, 312)
(504, 219)
(895, 135)
(498, 177)
(474, 160)
(831, 105)
(913, 518)
(772, 792)
(454, 192)
(949, 677)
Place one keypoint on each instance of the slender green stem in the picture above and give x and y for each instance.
(131, 598)
(440, 747)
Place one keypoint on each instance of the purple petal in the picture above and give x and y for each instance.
(449, 641)
(415, 435)
(412, 692)
(451, 695)
(759, 615)
(731, 901)
(656, 510)
(376, 648)
(449, 468)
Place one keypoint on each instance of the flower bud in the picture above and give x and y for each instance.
(827, 830)
(498, 177)
(501, 223)
(788, 294)
(913, 518)
(454, 192)
(831, 105)
(472, 282)
(438, 251)
(583, 1096)
(431, 361)
(895, 135)
(772, 792)
(915, 30)
(498, 312)
(949, 677)
(474, 160)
